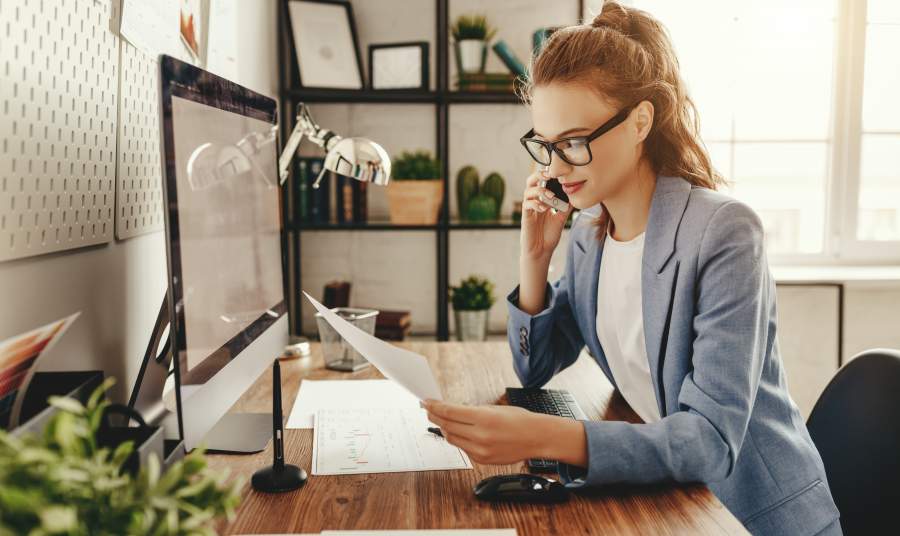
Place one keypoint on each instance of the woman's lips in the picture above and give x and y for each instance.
(572, 187)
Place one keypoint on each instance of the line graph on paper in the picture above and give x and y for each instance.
(356, 441)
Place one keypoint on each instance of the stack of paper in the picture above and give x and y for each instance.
(354, 441)
(346, 394)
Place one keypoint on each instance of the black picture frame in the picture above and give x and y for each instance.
(424, 75)
(351, 21)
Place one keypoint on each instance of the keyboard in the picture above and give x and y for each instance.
(550, 402)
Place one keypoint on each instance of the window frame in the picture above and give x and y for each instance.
(840, 245)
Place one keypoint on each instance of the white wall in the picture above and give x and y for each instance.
(118, 286)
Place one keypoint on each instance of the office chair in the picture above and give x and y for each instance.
(855, 424)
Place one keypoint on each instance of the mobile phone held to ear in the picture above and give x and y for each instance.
(560, 201)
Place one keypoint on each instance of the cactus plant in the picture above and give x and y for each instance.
(482, 208)
(494, 187)
(466, 188)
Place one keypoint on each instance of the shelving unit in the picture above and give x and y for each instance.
(441, 98)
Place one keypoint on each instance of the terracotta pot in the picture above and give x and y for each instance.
(415, 202)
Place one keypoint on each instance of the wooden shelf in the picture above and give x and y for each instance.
(369, 96)
(344, 96)
(365, 226)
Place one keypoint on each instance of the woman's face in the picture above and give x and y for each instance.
(566, 110)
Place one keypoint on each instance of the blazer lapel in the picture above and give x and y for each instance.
(658, 273)
(591, 270)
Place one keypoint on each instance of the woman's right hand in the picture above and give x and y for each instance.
(541, 228)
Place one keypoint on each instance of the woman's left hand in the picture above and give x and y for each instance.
(493, 434)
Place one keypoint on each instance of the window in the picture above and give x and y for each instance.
(768, 78)
(879, 176)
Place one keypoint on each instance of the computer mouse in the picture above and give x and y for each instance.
(521, 488)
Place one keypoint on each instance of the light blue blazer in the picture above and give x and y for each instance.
(709, 322)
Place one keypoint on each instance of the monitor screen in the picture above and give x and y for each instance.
(229, 233)
(224, 240)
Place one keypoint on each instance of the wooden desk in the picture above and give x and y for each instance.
(472, 373)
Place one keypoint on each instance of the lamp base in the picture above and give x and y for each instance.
(273, 480)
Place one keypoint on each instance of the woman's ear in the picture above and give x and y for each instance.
(643, 114)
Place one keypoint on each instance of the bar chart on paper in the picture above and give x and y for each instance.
(354, 441)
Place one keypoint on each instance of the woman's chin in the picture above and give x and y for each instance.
(579, 201)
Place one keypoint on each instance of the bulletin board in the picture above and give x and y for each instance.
(79, 157)
(59, 98)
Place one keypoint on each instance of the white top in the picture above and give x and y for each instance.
(620, 324)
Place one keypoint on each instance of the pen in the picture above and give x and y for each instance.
(435, 430)
(277, 422)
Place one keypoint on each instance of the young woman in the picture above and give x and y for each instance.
(680, 313)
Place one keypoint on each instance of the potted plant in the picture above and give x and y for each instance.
(62, 482)
(472, 301)
(471, 34)
(479, 201)
(416, 190)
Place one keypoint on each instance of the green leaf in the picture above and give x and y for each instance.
(66, 404)
(100, 391)
(58, 519)
(122, 452)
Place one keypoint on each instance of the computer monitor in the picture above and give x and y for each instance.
(224, 244)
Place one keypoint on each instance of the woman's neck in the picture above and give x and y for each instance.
(629, 208)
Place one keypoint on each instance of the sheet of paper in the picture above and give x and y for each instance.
(19, 357)
(157, 27)
(409, 369)
(357, 441)
(420, 532)
(222, 41)
(346, 394)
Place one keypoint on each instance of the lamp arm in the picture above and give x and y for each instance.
(305, 126)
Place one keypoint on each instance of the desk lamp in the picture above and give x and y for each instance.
(358, 158)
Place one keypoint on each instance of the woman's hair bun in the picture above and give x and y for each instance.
(615, 16)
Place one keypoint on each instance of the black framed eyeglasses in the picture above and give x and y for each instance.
(575, 150)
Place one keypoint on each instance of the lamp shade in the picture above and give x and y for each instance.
(361, 159)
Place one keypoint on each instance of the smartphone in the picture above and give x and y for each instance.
(560, 201)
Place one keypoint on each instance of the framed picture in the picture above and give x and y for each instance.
(399, 66)
(326, 46)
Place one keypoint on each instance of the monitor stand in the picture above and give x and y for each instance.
(238, 433)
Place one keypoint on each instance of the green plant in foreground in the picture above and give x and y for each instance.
(472, 27)
(473, 294)
(416, 165)
(62, 482)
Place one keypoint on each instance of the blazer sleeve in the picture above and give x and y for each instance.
(545, 343)
(700, 442)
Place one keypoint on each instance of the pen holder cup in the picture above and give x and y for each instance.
(338, 354)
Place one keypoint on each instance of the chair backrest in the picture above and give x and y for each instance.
(855, 424)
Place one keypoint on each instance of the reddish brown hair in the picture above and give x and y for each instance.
(626, 56)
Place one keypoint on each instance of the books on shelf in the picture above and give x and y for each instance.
(487, 82)
(393, 325)
(509, 58)
(339, 199)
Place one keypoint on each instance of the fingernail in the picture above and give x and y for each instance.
(548, 195)
(422, 404)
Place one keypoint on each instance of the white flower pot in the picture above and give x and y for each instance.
(471, 55)
(471, 325)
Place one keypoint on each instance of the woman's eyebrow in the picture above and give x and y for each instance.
(563, 133)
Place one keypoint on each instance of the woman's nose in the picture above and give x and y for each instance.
(558, 167)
